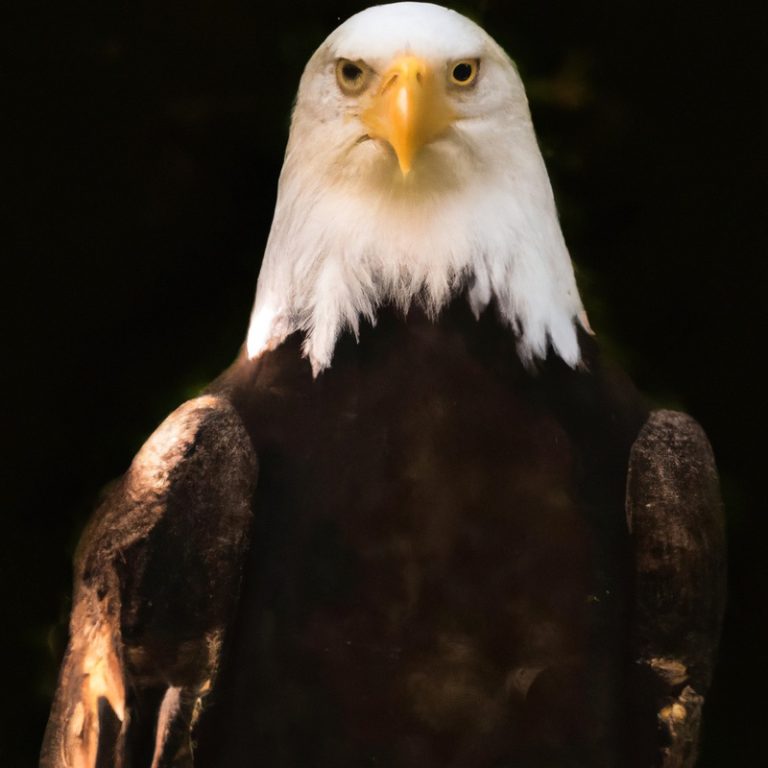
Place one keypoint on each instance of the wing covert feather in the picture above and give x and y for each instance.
(675, 516)
(157, 575)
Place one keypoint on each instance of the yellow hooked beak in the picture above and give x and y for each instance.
(408, 110)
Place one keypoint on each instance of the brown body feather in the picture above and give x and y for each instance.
(448, 561)
(439, 567)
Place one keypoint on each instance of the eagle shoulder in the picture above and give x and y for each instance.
(157, 576)
(675, 516)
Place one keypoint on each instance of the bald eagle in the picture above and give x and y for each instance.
(420, 521)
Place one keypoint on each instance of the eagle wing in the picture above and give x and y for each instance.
(157, 577)
(676, 522)
(158, 571)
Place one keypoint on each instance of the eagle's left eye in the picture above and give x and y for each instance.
(352, 76)
(464, 72)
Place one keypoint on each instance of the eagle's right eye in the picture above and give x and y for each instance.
(353, 76)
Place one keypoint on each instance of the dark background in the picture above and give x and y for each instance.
(145, 143)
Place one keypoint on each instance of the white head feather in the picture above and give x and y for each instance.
(477, 213)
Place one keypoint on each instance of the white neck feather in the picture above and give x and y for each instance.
(351, 234)
(333, 256)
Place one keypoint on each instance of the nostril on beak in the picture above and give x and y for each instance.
(390, 82)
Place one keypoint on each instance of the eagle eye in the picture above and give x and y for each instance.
(464, 72)
(352, 76)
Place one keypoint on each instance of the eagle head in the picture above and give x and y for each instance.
(412, 173)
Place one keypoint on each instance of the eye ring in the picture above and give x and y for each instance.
(464, 72)
(353, 77)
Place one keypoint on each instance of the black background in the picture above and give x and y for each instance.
(138, 183)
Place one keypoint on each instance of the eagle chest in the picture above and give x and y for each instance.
(430, 556)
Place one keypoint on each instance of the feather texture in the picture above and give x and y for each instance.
(477, 214)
